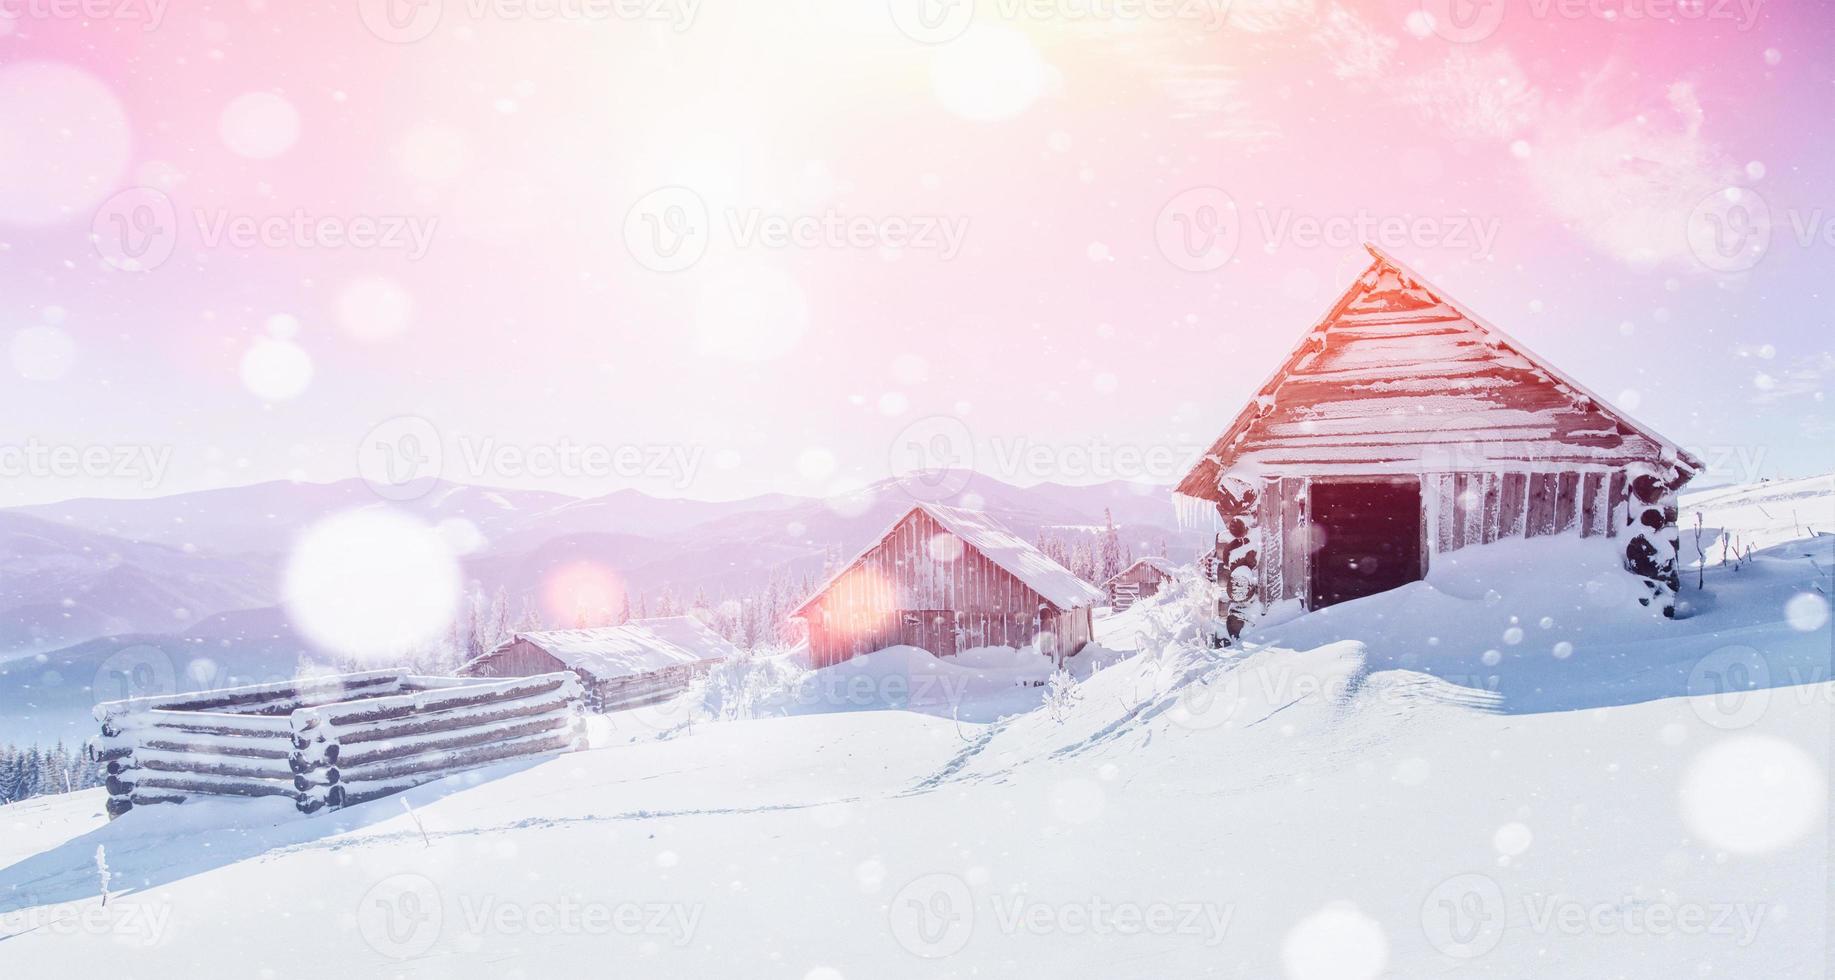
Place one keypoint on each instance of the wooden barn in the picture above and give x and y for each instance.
(1138, 581)
(1404, 426)
(946, 579)
(637, 663)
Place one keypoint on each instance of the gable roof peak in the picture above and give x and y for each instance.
(1366, 306)
(981, 531)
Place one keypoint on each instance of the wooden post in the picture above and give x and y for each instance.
(314, 761)
(120, 769)
(1238, 556)
(114, 749)
(1654, 544)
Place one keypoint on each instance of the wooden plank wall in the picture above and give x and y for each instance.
(519, 659)
(1285, 544)
(1479, 508)
(862, 610)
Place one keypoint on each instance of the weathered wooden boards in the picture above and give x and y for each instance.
(616, 693)
(1482, 507)
(1463, 509)
(384, 730)
(923, 569)
(1137, 581)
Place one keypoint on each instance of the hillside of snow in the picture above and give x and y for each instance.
(1511, 769)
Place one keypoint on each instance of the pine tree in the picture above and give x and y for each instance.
(530, 621)
(9, 774)
(499, 623)
(1111, 549)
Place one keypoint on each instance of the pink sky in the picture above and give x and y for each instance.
(1575, 148)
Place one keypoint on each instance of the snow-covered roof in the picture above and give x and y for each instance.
(1165, 565)
(1053, 582)
(637, 647)
(1400, 374)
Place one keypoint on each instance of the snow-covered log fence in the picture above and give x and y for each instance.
(355, 751)
(385, 730)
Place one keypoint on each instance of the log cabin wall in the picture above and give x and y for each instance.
(1134, 583)
(894, 592)
(519, 659)
(637, 690)
(523, 658)
(1460, 509)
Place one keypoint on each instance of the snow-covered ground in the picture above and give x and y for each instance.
(1508, 770)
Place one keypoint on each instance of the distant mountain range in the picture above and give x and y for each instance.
(94, 587)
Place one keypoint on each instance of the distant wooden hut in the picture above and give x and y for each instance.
(1403, 427)
(637, 663)
(1138, 581)
(946, 579)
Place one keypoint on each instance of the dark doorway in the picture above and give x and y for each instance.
(929, 629)
(1371, 533)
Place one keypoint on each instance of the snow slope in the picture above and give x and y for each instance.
(1757, 515)
(1342, 799)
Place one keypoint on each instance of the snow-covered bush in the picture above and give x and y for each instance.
(750, 686)
(1061, 694)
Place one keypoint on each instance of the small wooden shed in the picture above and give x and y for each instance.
(1403, 427)
(946, 579)
(640, 662)
(1138, 581)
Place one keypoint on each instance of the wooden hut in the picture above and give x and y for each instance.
(1404, 426)
(637, 663)
(1138, 581)
(946, 579)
